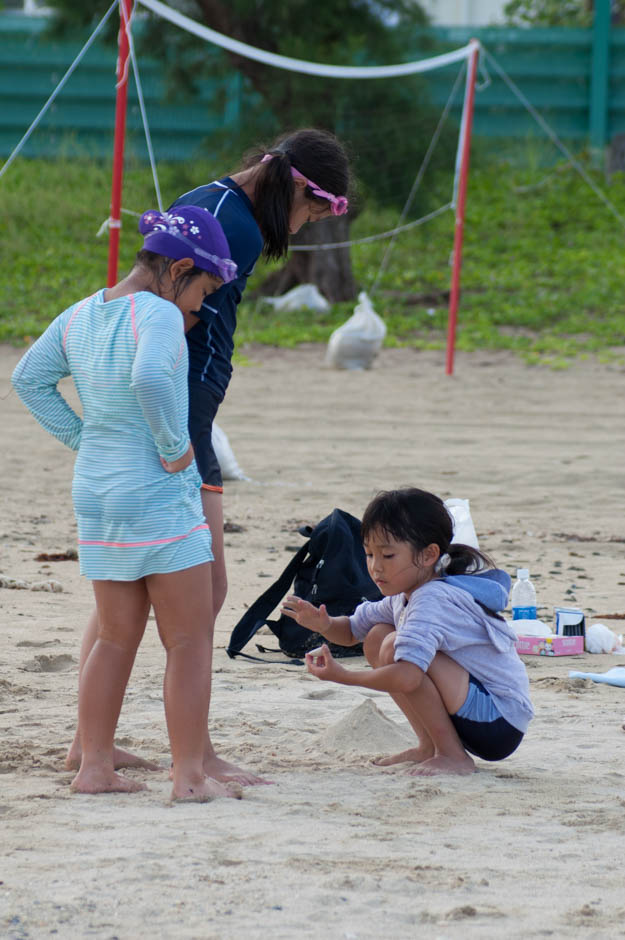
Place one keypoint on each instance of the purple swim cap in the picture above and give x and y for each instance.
(189, 232)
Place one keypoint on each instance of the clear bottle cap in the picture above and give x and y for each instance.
(522, 574)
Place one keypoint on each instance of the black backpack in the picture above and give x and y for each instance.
(329, 569)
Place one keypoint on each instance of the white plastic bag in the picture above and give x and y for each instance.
(230, 470)
(524, 627)
(600, 639)
(464, 530)
(356, 343)
(302, 297)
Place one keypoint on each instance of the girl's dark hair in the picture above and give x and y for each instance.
(159, 265)
(319, 156)
(421, 518)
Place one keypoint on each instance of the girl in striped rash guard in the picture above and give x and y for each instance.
(142, 536)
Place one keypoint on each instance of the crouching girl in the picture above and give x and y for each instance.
(436, 641)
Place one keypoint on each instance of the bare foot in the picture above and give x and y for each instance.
(222, 770)
(414, 754)
(104, 781)
(226, 772)
(204, 791)
(121, 759)
(444, 765)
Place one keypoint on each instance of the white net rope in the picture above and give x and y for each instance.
(300, 65)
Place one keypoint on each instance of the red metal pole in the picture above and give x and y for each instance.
(467, 124)
(115, 224)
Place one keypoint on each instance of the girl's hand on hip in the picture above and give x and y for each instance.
(175, 466)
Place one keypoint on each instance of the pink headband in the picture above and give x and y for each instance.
(338, 204)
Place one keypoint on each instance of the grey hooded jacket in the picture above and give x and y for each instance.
(449, 615)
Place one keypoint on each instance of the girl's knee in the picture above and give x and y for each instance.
(187, 642)
(375, 640)
(124, 636)
(220, 590)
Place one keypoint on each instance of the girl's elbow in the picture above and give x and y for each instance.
(21, 385)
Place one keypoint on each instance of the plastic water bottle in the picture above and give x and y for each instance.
(523, 597)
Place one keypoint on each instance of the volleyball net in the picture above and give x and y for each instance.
(465, 57)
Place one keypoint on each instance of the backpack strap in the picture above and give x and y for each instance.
(256, 617)
(275, 662)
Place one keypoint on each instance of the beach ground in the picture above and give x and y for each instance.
(336, 847)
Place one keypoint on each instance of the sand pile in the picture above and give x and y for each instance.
(367, 730)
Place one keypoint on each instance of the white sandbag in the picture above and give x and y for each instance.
(302, 297)
(464, 530)
(356, 343)
(230, 470)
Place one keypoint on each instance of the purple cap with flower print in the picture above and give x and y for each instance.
(189, 232)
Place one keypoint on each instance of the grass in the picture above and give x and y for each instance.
(543, 271)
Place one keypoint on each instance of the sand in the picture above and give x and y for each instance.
(529, 847)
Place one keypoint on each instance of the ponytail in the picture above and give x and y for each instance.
(464, 559)
(273, 200)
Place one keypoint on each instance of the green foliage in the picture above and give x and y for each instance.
(542, 275)
(548, 13)
(557, 12)
(51, 212)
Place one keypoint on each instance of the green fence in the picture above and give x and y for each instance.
(561, 73)
(81, 119)
(558, 70)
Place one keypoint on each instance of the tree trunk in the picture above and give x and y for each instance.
(330, 269)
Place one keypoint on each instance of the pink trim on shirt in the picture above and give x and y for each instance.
(71, 320)
(176, 538)
(133, 320)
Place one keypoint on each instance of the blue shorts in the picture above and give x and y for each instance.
(481, 728)
(203, 405)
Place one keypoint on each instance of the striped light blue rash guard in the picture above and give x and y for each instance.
(128, 360)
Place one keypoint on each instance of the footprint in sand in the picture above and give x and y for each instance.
(576, 686)
(45, 662)
(460, 913)
(468, 911)
(38, 644)
(597, 820)
(427, 792)
(590, 915)
(10, 690)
